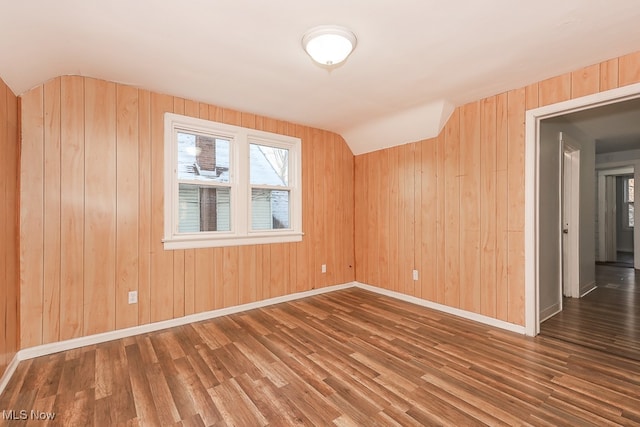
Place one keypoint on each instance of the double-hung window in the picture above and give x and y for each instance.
(628, 190)
(228, 185)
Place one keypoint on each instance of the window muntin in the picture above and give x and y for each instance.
(629, 196)
(227, 185)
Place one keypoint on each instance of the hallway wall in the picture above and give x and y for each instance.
(9, 215)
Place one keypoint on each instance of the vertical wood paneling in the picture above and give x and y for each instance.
(305, 254)
(629, 69)
(12, 193)
(348, 218)
(110, 167)
(516, 105)
(555, 89)
(392, 194)
(9, 230)
(385, 221)
(427, 242)
(127, 204)
(161, 261)
(609, 74)
(72, 207)
(441, 220)
(408, 219)
(230, 277)
(488, 199)
(218, 285)
(374, 194)
(319, 254)
(144, 207)
(361, 236)
(204, 280)
(417, 218)
(52, 191)
(31, 217)
(100, 206)
(452, 210)
(532, 94)
(585, 81)
(470, 270)
(472, 178)
(502, 208)
(6, 168)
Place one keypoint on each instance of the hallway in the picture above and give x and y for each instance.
(607, 319)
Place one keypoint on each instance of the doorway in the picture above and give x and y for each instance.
(539, 243)
(615, 234)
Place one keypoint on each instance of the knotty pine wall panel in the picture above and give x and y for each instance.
(9, 232)
(92, 216)
(468, 235)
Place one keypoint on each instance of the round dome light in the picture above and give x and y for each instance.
(329, 45)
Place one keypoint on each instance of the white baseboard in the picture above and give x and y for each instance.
(46, 349)
(446, 309)
(584, 290)
(549, 312)
(8, 373)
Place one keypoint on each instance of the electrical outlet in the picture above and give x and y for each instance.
(415, 274)
(133, 297)
(324, 268)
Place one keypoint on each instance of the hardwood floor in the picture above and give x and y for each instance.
(345, 358)
(607, 319)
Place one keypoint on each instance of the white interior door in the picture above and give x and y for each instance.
(570, 219)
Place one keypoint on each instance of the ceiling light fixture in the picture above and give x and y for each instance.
(329, 45)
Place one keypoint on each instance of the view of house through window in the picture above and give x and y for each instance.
(203, 183)
(228, 185)
(269, 171)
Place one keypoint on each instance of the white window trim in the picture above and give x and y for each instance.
(626, 203)
(240, 233)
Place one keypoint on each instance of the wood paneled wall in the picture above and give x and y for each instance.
(92, 216)
(9, 216)
(452, 207)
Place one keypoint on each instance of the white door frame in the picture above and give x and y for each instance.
(570, 221)
(532, 191)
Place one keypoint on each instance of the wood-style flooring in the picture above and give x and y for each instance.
(348, 358)
(607, 319)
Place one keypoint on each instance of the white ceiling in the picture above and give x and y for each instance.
(415, 60)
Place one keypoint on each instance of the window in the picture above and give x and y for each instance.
(628, 189)
(227, 185)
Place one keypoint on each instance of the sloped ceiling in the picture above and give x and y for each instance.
(415, 60)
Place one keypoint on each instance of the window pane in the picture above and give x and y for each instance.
(269, 209)
(268, 165)
(631, 221)
(630, 194)
(203, 208)
(203, 158)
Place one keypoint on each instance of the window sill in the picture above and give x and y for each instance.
(208, 242)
